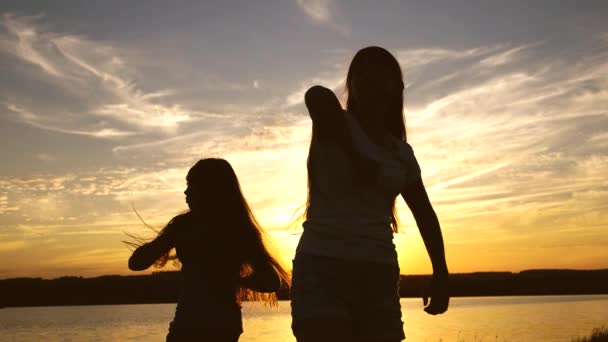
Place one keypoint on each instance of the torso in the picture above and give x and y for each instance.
(209, 275)
(349, 217)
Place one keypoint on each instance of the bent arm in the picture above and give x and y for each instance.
(147, 254)
(326, 113)
(418, 201)
(330, 124)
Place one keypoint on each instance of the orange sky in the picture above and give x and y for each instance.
(509, 126)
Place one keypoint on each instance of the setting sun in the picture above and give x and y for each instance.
(106, 106)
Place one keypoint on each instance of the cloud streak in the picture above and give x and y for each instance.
(90, 75)
(511, 139)
(321, 11)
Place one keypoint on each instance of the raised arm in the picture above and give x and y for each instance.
(147, 254)
(326, 113)
(330, 124)
(418, 201)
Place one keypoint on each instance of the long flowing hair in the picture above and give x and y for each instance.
(222, 208)
(376, 76)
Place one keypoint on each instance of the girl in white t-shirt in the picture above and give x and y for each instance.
(345, 273)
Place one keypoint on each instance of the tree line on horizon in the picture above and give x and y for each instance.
(163, 287)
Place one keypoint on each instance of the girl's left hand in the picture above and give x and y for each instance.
(439, 294)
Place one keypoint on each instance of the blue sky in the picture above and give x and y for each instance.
(105, 105)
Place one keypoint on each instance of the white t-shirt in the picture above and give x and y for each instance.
(349, 217)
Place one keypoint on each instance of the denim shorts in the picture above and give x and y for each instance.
(364, 294)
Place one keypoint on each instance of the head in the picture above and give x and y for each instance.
(212, 185)
(374, 85)
(213, 193)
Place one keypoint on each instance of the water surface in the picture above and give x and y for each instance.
(536, 318)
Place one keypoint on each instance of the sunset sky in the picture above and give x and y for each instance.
(105, 106)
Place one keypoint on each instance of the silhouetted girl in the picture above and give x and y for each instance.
(345, 273)
(222, 253)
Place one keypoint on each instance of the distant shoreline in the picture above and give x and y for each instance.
(163, 287)
(287, 300)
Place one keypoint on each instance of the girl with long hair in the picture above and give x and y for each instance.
(224, 258)
(345, 273)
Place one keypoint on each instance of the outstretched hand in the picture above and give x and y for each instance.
(439, 294)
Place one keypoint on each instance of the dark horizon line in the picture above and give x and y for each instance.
(163, 287)
(401, 275)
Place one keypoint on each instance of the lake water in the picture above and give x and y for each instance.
(496, 319)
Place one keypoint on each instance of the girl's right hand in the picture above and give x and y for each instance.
(439, 294)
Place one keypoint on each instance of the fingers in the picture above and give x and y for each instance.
(439, 297)
(430, 311)
(435, 310)
(437, 306)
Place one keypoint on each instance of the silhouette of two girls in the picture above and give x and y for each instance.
(345, 273)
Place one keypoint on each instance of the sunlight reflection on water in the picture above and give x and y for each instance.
(546, 318)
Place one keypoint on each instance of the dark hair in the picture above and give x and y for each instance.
(222, 206)
(378, 78)
(375, 70)
(228, 206)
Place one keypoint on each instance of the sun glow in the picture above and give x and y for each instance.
(510, 135)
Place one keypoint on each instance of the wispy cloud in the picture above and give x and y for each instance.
(516, 148)
(511, 139)
(316, 9)
(493, 138)
(333, 81)
(26, 43)
(321, 11)
(51, 124)
(46, 157)
(93, 86)
(10, 246)
(411, 58)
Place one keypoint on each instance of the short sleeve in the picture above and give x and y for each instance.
(412, 168)
(394, 174)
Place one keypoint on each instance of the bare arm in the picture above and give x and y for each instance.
(326, 113)
(145, 255)
(329, 124)
(418, 201)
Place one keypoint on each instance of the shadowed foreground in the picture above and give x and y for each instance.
(598, 335)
